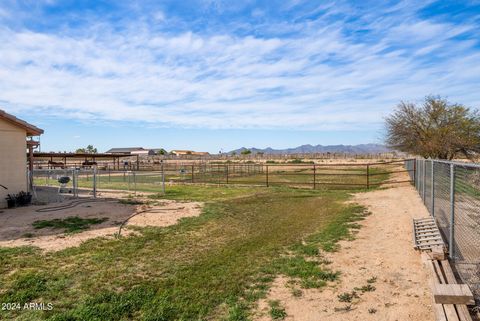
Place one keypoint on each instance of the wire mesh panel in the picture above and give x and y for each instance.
(467, 213)
(85, 180)
(442, 198)
(52, 185)
(410, 167)
(114, 180)
(421, 178)
(427, 167)
(466, 252)
(456, 207)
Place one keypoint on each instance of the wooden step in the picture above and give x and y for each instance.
(452, 294)
(442, 275)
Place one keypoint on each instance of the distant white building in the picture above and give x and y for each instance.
(131, 151)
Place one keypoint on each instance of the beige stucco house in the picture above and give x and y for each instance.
(13, 154)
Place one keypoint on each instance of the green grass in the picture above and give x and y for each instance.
(347, 296)
(215, 266)
(277, 312)
(366, 288)
(204, 193)
(71, 224)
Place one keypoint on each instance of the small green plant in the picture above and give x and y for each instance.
(306, 249)
(72, 224)
(347, 296)
(372, 310)
(131, 201)
(237, 311)
(366, 288)
(297, 293)
(372, 280)
(277, 312)
(309, 273)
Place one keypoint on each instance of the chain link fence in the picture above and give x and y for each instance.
(451, 193)
(80, 181)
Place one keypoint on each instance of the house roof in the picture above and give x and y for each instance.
(124, 149)
(29, 128)
(177, 151)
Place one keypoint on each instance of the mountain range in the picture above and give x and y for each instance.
(311, 149)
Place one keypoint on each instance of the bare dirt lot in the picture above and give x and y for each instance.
(16, 227)
(380, 256)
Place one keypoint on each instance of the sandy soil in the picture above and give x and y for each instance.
(382, 249)
(16, 224)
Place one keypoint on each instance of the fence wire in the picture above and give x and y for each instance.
(451, 193)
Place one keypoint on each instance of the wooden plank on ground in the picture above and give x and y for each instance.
(450, 311)
(452, 294)
(437, 253)
(420, 226)
(429, 238)
(424, 222)
(463, 313)
(426, 229)
(428, 233)
(428, 246)
(462, 310)
(423, 219)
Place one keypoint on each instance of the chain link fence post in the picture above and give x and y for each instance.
(95, 182)
(74, 183)
(432, 181)
(451, 251)
(424, 172)
(163, 179)
(266, 175)
(134, 183)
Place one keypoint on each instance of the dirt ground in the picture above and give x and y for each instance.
(16, 224)
(382, 249)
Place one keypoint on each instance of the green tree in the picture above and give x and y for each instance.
(88, 150)
(435, 129)
(246, 152)
(162, 152)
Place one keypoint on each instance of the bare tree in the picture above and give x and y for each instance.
(436, 129)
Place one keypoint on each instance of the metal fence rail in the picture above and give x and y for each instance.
(303, 175)
(451, 193)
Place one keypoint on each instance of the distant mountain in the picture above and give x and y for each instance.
(310, 149)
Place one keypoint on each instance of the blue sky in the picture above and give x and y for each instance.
(213, 75)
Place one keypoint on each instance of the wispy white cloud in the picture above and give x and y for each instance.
(321, 76)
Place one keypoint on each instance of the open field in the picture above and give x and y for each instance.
(217, 261)
(212, 266)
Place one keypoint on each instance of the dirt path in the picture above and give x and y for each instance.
(382, 249)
